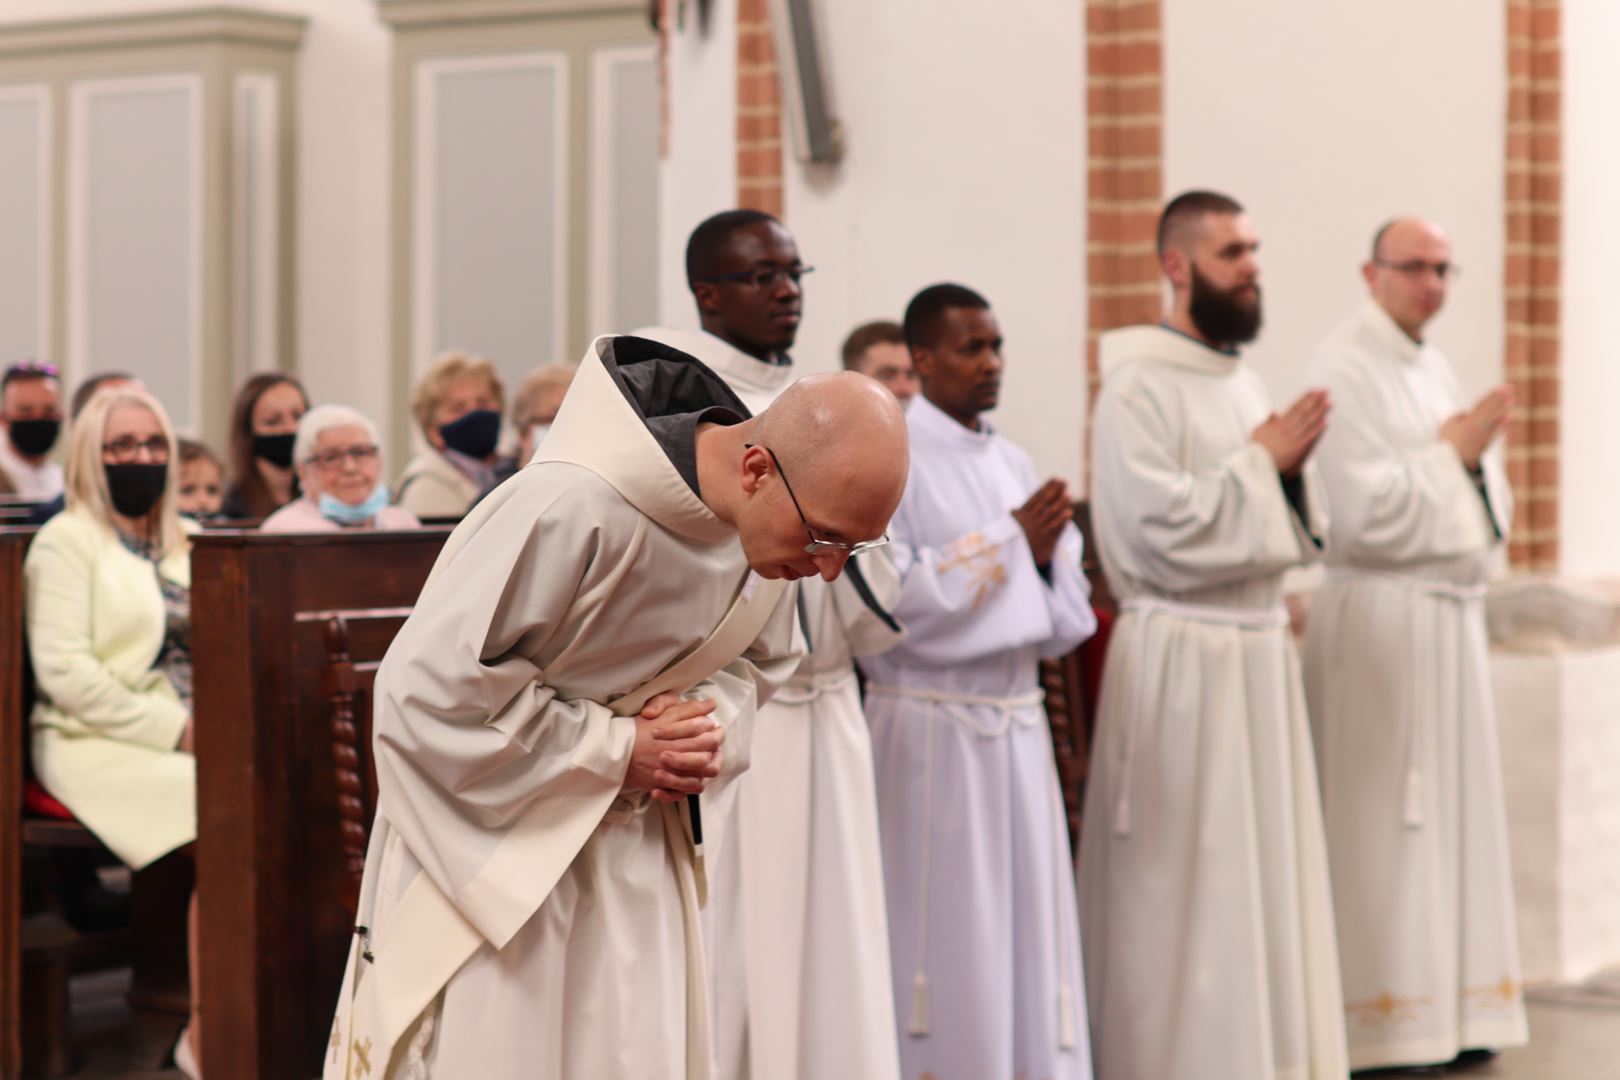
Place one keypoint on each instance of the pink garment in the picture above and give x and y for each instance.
(302, 515)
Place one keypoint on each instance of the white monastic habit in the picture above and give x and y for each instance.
(1397, 672)
(987, 973)
(1205, 902)
(522, 917)
(796, 929)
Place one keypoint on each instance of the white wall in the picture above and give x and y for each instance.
(1331, 119)
(965, 162)
(343, 181)
(1589, 515)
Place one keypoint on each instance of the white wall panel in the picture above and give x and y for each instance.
(25, 223)
(624, 250)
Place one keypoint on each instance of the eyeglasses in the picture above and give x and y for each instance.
(817, 546)
(125, 450)
(332, 460)
(1415, 268)
(767, 277)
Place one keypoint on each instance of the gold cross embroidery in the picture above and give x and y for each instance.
(360, 1056)
(978, 558)
(337, 1042)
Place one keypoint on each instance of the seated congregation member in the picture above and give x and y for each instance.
(458, 406)
(201, 490)
(340, 469)
(879, 349)
(1204, 888)
(536, 405)
(109, 634)
(31, 418)
(985, 939)
(264, 423)
(87, 389)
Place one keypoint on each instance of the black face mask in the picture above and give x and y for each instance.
(276, 449)
(136, 487)
(474, 434)
(34, 438)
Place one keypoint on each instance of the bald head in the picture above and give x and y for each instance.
(1410, 272)
(820, 471)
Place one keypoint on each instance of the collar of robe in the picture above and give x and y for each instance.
(1116, 348)
(926, 420)
(600, 430)
(747, 373)
(1390, 334)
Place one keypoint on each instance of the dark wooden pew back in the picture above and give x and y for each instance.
(273, 875)
(14, 704)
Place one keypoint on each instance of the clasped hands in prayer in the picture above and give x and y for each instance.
(1472, 431)
(1042, 518)
(1291, 437)
(677, 750)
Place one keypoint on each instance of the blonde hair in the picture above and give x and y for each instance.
(537, 382)
(435, 385)
(87, 477)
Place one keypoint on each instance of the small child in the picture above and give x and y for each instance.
(202, 481)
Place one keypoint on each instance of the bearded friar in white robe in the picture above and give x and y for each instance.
(797, 933)
(531, 893)
(987, 972)
(1204, 893)
(1397, 666)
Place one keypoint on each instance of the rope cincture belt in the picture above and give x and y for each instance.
(1026, 710)
(1144, 608)
(1412, 814)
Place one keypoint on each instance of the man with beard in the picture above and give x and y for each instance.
(1397, 666)
(987, 975)
(1206, 909)
(795, 926)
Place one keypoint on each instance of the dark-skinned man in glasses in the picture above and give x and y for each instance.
(798, 934)
(986, 954)
(1397, 673)
(589, 652)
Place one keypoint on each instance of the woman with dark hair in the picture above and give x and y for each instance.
(264, 423)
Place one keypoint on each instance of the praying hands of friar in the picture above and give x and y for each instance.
(1472, 431)
(677, 750)
(1291, 437)
(1042, 518)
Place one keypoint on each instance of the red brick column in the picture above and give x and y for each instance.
(759, 112)
(1124, 147)
(1532, 274)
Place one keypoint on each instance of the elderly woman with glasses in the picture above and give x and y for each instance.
(108, 607)
(339, 466)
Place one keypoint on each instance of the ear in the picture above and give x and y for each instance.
(1369, 271)
(922, 361)
(707, 294)
(756, 465)
(433, 437)
(1177, 267)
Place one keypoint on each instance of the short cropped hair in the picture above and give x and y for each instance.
(192, 451)
(926, 309)
(323, 418)
(1187, 209)
(87, 389)
(449, 367)
(708, 241)
(863, 337)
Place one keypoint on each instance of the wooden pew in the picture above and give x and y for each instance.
(1069, 683)
(13, 668)
(272, 874)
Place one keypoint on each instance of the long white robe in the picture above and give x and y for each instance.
(524, 919)
(1398, 677)
(796, 930)
(987, 975)
(1205, 900)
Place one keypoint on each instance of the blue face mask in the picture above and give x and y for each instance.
(335, 509)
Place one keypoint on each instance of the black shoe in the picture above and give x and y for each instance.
(1470, 1059)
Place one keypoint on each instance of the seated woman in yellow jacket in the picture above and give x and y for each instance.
(109, 617)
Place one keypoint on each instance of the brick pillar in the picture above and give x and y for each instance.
(1125, 176)
(1532, 275)
(759, 112)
